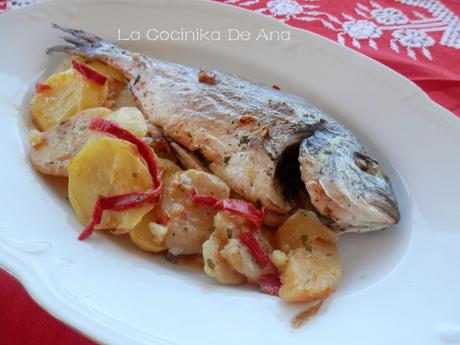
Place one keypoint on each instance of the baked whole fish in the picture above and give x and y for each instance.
(269, 146)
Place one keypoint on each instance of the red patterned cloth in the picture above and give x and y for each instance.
(418, 38)
(22, 321)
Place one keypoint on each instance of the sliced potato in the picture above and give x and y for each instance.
(117, 82)
(119, 95)
(301, 228)
(167, 168)
(55, 147)
(311, 274)
(102, 68)
(312, 269)
(99, 66)
(115, 89)
(234, 258)
(190, 224)
(70, 93)
(36, 138)
(148, 235)
(219, 263)
(241, 260)
(228, 225)
(279, 260)
(131, 119)
(144, 238)
(124, 99)
(216, 266)
(106, 166)
(273, 219)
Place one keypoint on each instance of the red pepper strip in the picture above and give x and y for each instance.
(243, 208)
(162, 220)
(184, 215)
(270, 284)
(112, 128)
(118, 203)
(257, 250)
(162, 146)
(209, 200)
(129, 200)
(40, 87)
(276, 87)
(89, 73)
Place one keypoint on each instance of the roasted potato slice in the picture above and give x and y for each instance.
(167, 169)
(117, 82)
(131, 119)
(103, 69)
(216, 266)
(233, 260)
(310, 267)
(238, 256)
(148, 235)
(311, 273)
(190, 224)
(54, 148)
(106, 166)
(99, 66)
(69, 93)
(124, 99)
(226, 227)
(301, 228)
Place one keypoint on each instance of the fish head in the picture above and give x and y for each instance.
(345, 184)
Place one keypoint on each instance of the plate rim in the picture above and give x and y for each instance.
(26, 275)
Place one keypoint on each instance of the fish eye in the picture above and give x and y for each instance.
(367, 164)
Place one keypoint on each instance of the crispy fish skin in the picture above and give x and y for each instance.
(243, 129)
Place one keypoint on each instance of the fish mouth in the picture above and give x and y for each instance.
(284, 147)
(288, 176)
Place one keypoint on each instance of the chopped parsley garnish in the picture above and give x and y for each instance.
(307, 246)
(244, 140)
(211, 264)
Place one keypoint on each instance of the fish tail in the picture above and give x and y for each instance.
(91, 46)
(82, 43)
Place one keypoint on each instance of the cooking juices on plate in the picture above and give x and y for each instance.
(192, 162)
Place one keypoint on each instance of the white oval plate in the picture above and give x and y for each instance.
(400, 286)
